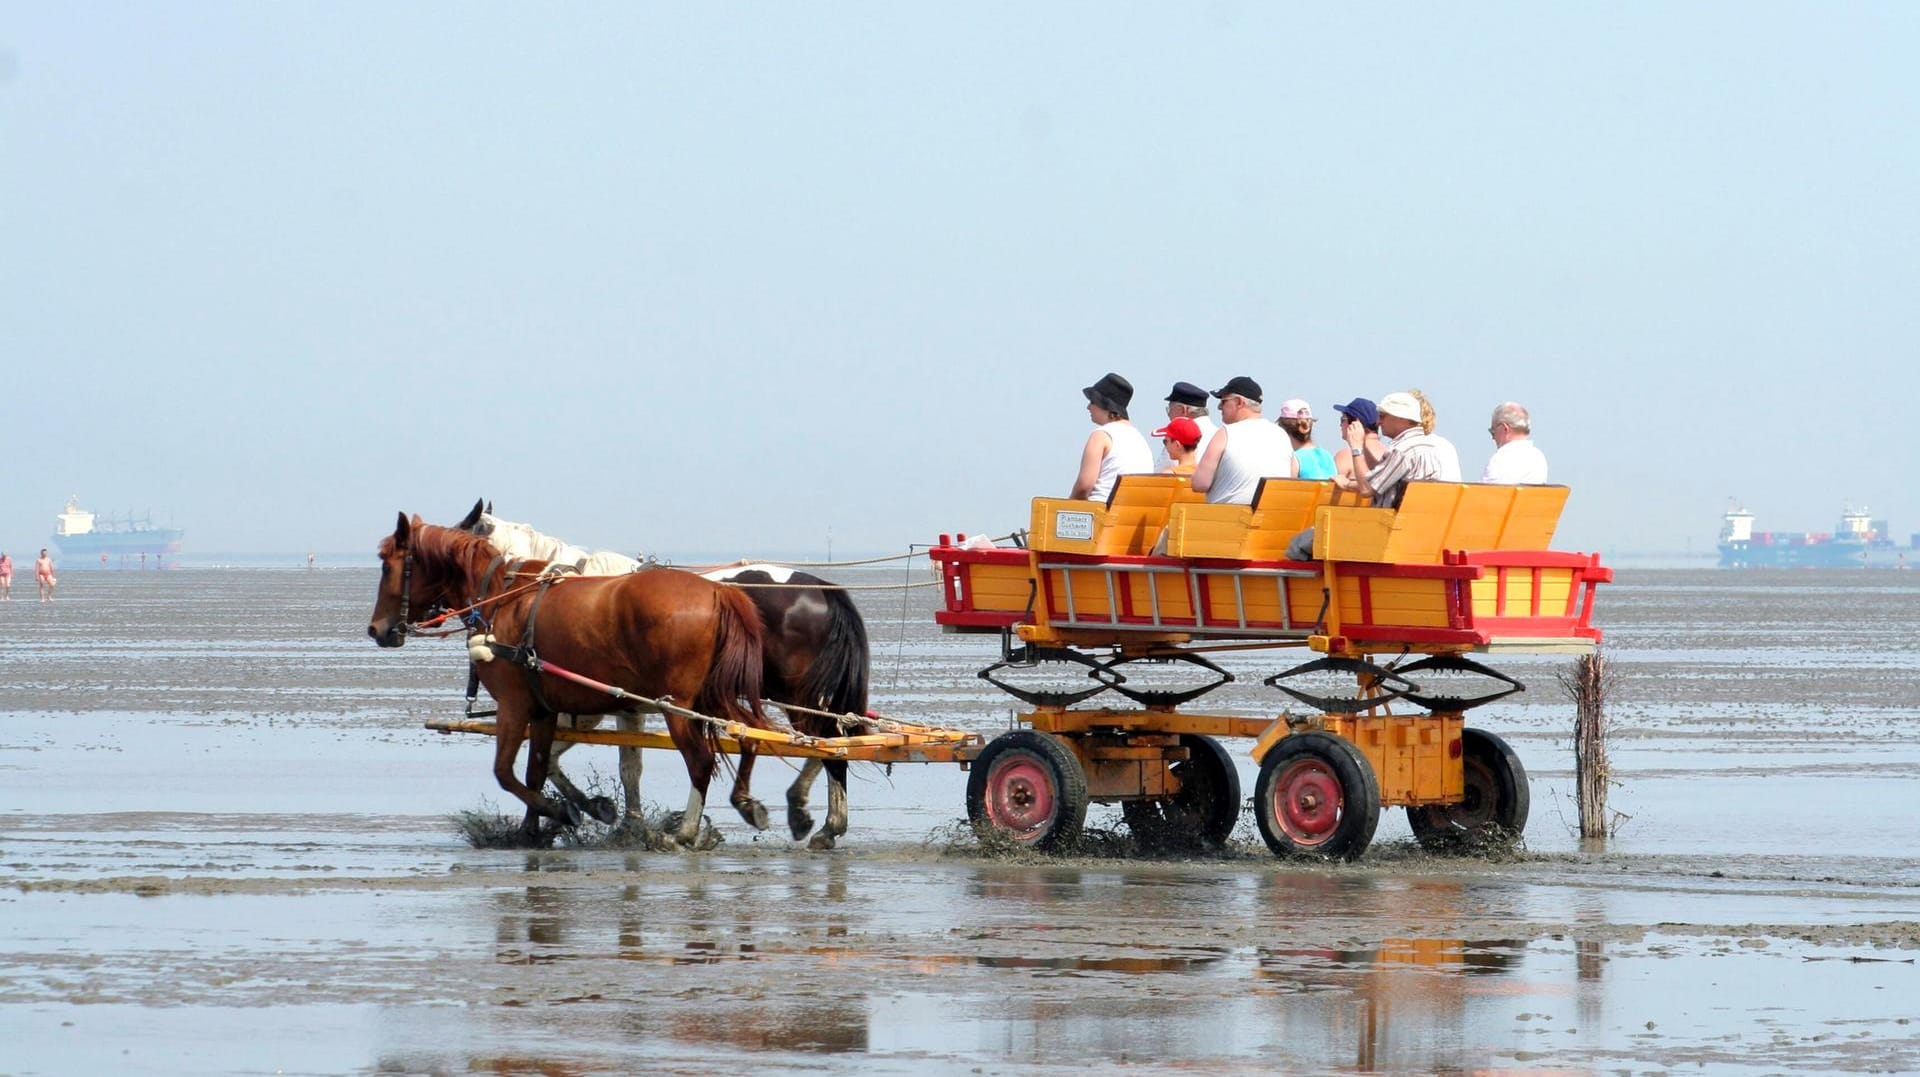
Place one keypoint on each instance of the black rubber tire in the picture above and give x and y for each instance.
(1203, 813)
(1028, 788)
(1300, 777)
(1493, 810)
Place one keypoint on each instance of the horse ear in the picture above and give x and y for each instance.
(401, 532)
(489, 508)
(472, 517)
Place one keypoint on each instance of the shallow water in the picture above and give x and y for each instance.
(225, 847)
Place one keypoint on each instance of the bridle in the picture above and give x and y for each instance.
(406, 591)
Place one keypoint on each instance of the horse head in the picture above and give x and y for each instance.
(399, 589)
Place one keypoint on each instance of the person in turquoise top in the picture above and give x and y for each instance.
(1310, 461)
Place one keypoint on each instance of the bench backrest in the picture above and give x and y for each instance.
(1129, 522)
(1434, 517)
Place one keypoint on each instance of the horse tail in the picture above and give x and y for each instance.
(839, 678)
(733, 686)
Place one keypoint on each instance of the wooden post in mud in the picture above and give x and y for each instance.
(1589, 682)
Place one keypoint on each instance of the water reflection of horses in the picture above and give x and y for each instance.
(816, 656)
(659, 634)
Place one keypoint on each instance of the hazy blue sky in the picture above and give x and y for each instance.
(722, 278)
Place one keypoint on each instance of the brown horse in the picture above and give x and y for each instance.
(663, 634)
(816, 656)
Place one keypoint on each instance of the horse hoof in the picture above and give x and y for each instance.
(821, 842)
(604, 809)
(755, 813)
(799, 822)
(569, 814)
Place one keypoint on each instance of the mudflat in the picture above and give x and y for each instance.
(225, 846)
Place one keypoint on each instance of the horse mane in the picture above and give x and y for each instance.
(442, 553)
(524, 540)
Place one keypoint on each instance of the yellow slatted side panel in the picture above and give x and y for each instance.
(1175, 599)
(1421, 523)
(1556, 584)
(1535, 516)
(1283, 509)
(1305, 595)
(1347, 534)
(1485, 592)
(1416, 603)
(1207, 530)
(1261, 596)
(1052, 514)
(1000, 587)
(1480, 517)
(1089, 593)
(1136, 513)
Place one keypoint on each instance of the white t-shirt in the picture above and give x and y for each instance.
(1256, 449)
(1518, 461)
(1129, 454)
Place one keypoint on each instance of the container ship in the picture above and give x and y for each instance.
(1860, 542)
(82, 537)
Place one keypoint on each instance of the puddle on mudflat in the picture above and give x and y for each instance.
(246, 865)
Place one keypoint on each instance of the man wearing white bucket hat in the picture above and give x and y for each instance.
(1383, 474)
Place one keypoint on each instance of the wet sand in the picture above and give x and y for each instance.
(225, 847)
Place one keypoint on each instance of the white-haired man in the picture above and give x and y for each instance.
(1516, 459)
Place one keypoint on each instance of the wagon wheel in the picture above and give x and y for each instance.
(1028, 787)
(1493, 808)
(1205, 810)
(1316, 797)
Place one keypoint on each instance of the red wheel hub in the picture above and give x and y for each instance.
(1020, 796)
(1307, 800)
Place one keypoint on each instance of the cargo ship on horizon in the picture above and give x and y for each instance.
(83, 538)
(1860, 542)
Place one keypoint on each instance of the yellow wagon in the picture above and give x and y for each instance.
(1156, 575)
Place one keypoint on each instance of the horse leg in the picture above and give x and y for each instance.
(754, 812)
(836, 824)
(633, 820)
(600, 808)
(798, 818)
(698, 754)
(510, 730)
(539, 764)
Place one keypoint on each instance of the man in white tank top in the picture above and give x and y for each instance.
(1117, 448)
(1245, 450)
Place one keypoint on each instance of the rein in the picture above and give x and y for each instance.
(436, 621)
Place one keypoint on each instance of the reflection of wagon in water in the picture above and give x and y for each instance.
(1459, 569)
(1394, 603)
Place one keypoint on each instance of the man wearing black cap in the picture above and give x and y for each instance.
(1189, 401)
(1117, 448)
(1246, 449)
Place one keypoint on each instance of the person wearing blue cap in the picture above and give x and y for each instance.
(1382, 472)
(1359, 411)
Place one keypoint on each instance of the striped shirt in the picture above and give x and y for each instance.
(1414, 456)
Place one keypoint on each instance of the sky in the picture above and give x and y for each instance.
(756, 279)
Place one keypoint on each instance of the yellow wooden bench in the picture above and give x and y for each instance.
(1129, 522)
(1436, 517)
(1281, 509)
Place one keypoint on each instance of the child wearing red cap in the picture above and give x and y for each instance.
(1182, 440)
